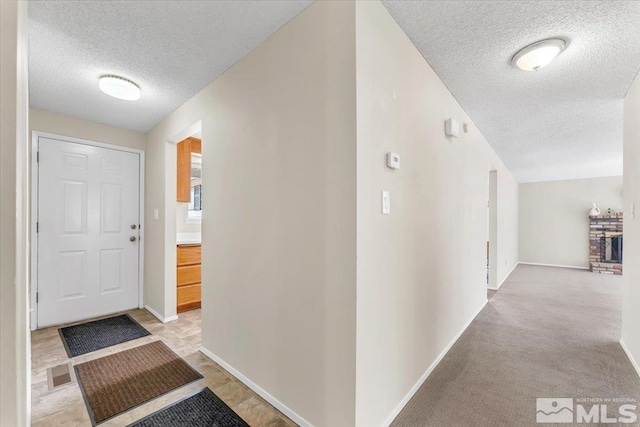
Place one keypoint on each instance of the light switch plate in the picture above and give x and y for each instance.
(156, 214)
(386, 203)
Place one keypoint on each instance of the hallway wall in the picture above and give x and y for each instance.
(631, 268)
(278, 232)
(554, 218)
(15, 364)
(421, 270)
(279, 254)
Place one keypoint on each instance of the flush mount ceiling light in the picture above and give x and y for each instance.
(538, 54)
(119, 87)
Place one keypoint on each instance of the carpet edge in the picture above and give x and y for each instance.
(413, 390)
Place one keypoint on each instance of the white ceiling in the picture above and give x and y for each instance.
(172, 49)
(562, 122)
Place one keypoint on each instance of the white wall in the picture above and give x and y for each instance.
(278, 270)
(15, 363)
(554, 218)
(492, 273)
(631, 268)
(421, 271)
(182, 215)
(508, 239)
(59, 124)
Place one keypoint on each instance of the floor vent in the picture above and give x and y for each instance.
(60, 375)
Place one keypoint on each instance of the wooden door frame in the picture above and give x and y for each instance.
(33, 238)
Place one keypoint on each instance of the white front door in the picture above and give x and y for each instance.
(88, 231)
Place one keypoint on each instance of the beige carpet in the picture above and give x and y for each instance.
(548, 332)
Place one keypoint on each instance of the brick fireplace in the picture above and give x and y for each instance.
(605, 244)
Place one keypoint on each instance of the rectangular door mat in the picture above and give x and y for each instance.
(202, 409)
(91, 336)
(116, 383)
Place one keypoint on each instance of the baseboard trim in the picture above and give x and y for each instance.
(160, 318)
(554, 265)
(492, 289)
(630, 356)
(387, 422)
(295, 417)
(507, 276)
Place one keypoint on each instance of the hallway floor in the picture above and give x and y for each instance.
(547, 333)
(64, 406)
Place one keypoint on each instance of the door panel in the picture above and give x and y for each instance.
(74, 207)
(88, 199)
(72, 280)
(111, 206)
(110, 270)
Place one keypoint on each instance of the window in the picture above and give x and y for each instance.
(195, 205)
(194, 214)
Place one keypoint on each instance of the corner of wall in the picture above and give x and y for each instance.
(15, 369)
(429, 245)
(631, 277)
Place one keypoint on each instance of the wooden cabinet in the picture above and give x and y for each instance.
(183, 155)
(189, 277)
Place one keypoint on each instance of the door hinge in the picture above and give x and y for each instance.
(37, 156)
(37, 227)
(37, 297)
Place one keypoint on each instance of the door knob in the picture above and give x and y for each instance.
(133, 226)
(132, 238)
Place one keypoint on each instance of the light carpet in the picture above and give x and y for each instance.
(548, 332)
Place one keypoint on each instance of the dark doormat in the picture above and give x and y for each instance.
(92, 336)
(203, 409)
(116, 383)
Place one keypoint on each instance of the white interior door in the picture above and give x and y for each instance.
(88, 231)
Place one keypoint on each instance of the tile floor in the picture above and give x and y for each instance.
(64, 406)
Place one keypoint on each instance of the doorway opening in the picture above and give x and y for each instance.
(492, 231)
(189, 205)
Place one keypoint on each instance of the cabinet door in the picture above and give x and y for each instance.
(183, 189)
(188, 275)
(196, 145)
(189, 297)
(189, 255)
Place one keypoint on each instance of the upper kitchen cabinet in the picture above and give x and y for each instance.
(184, 150)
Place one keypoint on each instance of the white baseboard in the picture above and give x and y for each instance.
(630, 356)
(160, 318)
(295, 417)
(507, 276)
(492, 289)
(426, 374)
(554, 265)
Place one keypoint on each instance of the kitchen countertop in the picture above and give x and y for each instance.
(188, 238)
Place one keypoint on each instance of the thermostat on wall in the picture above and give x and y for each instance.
(393, 160)
(451, 128)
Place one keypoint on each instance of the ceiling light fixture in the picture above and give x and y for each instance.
(538, 54)
(119, 87)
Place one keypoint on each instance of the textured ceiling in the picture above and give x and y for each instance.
(172, 49)
(562, 122)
